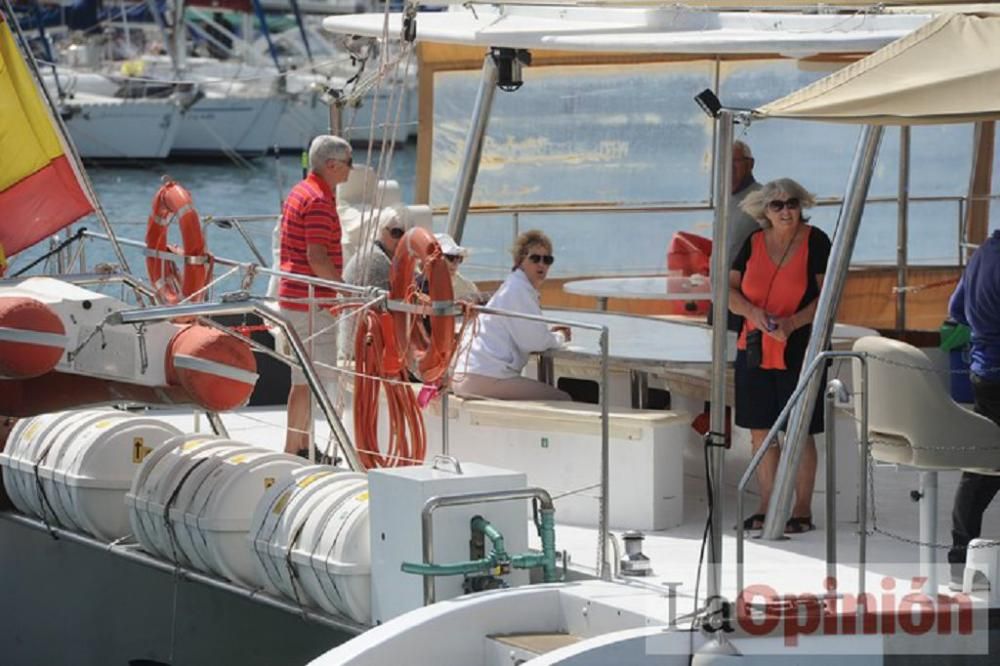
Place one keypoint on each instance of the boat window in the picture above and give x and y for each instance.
(599, 134)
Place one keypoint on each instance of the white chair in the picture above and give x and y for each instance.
(913, 420)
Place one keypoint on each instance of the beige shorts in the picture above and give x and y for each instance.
(322, 347)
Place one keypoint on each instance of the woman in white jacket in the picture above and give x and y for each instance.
(494, 358)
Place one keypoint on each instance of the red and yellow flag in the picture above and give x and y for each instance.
(40, 190)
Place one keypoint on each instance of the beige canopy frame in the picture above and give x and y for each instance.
(947, 71)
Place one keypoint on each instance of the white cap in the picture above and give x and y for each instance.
(391, 218)
(449, 247)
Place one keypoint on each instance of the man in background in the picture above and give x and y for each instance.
(310, 245)
(741, 225)
(976, 303)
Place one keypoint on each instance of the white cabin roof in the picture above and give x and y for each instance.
(674, 30)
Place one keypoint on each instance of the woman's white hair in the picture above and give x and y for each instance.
(327, 147)
(755, 204)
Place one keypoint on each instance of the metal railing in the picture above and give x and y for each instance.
(833, 390)
(603, 566)
(462, 499)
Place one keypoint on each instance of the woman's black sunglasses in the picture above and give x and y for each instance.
(396, 233)
(546, 259)
(777, 205)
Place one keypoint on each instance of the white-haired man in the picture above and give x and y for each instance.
(310, 245)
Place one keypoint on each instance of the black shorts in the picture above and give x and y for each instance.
(762, 394)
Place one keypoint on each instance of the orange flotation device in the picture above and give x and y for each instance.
(689, 254)
(388, 344)
(32, 338)
(432, 357)
(172, 202)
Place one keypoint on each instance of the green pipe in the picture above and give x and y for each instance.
(483, 565)
(480, 524)
(489, 565)
(527, 561)
(548, 536)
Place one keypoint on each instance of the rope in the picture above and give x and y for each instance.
(407, 435)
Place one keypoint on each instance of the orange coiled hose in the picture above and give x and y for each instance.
(407, 436)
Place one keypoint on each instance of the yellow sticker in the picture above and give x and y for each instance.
(101, 425)
(362, 497)
(238, 459)
(311, 478)
(187, 446)
(279, 506)
(139, 450)
(31, 430)
(268, 481)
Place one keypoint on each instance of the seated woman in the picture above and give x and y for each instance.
(490, 363)
(463, 288)
(774, 283)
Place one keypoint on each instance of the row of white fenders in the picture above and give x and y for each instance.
(267, 521)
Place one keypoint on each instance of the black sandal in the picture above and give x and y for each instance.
(321, 457)
(799, 525)
(754, 522)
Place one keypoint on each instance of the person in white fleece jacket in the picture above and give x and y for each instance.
(492, 361)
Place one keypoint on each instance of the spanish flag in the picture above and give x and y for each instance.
(40, 188)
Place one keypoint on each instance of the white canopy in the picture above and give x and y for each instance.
(673, 30)
(948, 71)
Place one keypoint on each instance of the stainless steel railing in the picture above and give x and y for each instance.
(834, 389)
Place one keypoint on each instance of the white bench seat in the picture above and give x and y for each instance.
(558, 445)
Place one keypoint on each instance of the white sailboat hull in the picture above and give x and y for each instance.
(113, 128)
(228, 124)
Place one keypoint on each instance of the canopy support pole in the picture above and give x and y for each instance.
(715, 439)
(473, 148)
(826, 311)
(902, 226)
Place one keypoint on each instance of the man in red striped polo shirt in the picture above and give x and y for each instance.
(310, 245)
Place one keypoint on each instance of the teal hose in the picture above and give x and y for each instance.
(480, 524)
(548, 535)
(489, 565)
(482, 565)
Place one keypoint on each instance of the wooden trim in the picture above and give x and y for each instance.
(977, 215)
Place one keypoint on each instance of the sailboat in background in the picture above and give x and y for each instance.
(246, 97)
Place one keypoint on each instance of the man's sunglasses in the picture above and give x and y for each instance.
(777, 205)
(454, 258)
(396, 233)
(546, 259)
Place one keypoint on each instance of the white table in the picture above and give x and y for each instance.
(660, 288)
(641, 344)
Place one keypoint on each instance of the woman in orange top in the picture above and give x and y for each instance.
(774, 284)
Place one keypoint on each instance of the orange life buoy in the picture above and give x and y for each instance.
(431, 357)
(173, 202)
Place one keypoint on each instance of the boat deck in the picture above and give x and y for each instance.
(794, 565)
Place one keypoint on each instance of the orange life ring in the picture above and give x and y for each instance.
(173, 202)
(432, 357)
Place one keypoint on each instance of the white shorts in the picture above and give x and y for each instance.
(322, 347)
